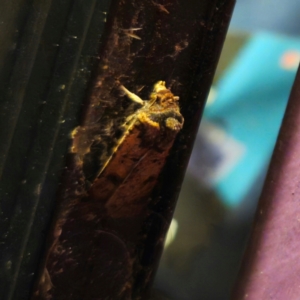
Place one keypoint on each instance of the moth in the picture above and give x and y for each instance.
(125, 182)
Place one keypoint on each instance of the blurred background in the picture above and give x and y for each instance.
(230, 159)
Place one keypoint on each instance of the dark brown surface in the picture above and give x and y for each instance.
(271, 265)
(180, 43)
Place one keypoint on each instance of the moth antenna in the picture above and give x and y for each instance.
(131, 96)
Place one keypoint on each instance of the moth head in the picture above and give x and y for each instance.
(159, 86)
(163, 95)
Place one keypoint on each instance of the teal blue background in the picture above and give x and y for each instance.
(252, 96)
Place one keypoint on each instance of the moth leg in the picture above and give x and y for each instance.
(129, 119)
(132, 96)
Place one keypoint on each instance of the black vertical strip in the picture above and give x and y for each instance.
(55, 55)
